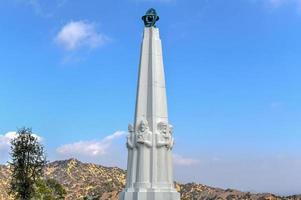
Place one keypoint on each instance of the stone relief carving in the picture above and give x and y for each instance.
(130, 128)
(165, 138)
(129, 142)
(171, 141)
(144, 136)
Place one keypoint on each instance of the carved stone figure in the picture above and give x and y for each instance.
(143, 134)
(165, 137)
(171, 139)
(129, 142)
(162, 138)
(131, 156)
(169, 154)
(130, 128)
(144, 144)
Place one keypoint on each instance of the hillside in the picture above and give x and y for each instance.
(82, 179)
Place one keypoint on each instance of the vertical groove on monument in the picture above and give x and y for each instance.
(150, 141)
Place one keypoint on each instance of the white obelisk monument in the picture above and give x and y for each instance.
(150, 140)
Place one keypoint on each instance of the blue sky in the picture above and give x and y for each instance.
(68, 69)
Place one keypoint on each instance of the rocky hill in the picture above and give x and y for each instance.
(83, 179)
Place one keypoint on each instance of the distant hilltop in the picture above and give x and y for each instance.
(104, 183)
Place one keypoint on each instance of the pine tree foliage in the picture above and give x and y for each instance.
(27, 164)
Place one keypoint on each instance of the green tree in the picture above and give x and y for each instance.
(49, 189)
(27, 163)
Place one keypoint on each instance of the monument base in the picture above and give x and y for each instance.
(149, 195)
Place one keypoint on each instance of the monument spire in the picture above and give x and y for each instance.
(150, 140)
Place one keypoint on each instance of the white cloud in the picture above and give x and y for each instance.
(77, 34)
(89, 148)
(182, 161)
(5, 140)
(7, 137)
(115, 135)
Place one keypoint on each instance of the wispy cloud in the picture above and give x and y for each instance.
(183, 161)
(158, 1)
(280, 3)
(78, 34)
(44, 8)
(276, 104)
(35, 4)
(89, 148)
(277, 2)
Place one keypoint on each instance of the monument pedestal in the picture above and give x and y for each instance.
(150, 195)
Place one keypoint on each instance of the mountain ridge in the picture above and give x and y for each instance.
(88, 179)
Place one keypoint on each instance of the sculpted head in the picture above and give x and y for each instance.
(162, 127)
(143, 125)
